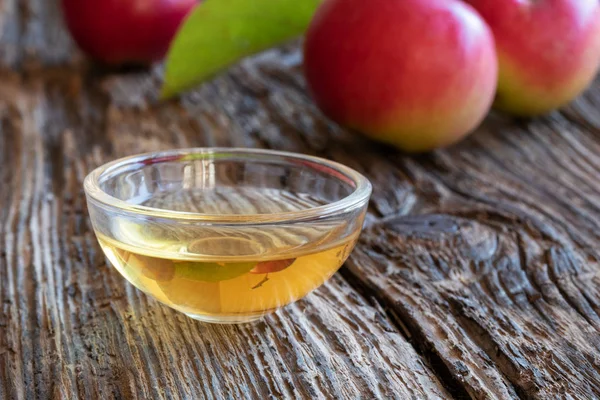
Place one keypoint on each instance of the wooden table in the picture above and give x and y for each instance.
(477, 275)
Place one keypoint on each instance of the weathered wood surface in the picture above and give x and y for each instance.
(477, 276)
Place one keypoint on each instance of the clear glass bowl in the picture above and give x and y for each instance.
(226, 235)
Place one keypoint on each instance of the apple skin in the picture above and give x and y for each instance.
(267, 267)
(125, 31)
(548, 50)
(418, 74)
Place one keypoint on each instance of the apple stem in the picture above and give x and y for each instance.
(259, 284)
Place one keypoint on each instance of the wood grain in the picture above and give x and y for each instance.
(477, 275)
(71, 327)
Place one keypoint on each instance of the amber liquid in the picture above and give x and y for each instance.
(216, 290)
(213, 276)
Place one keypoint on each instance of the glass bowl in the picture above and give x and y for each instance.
(226, 235)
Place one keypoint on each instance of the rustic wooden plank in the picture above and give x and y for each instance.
(484, 255)
(71, 327)
(32, 35)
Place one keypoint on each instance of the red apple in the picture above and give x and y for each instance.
(125, 31)
(418, 74)
(549, 50)
(267, 267)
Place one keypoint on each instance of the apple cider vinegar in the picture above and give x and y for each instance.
(209, 274)
(226, 235)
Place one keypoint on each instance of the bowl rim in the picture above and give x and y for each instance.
(356, 199)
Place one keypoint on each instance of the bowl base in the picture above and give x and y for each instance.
(227, 319)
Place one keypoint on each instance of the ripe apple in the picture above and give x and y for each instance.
(418, 74)
(548, 50)
(125, 31)
(266, 267)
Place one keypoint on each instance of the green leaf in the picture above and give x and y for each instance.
(218, 33)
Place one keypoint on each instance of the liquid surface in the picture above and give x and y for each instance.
(225, 200)
(227, 276)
